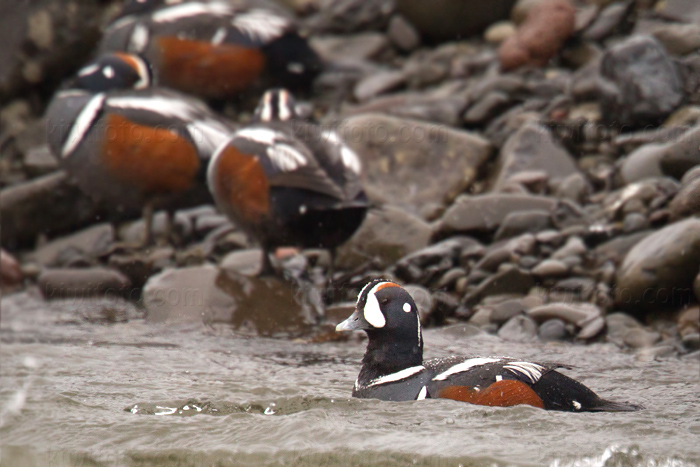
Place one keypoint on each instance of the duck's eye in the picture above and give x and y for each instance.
(384, 301)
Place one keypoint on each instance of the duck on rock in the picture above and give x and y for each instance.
(393, 368)
(288, 182)
(213, 49)
(132, 146)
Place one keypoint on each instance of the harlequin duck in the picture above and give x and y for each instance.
(129, 145)
(288, 182)
(213, 49)
(393, 368)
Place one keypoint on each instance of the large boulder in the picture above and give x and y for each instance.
(658, 273)
(412, 164)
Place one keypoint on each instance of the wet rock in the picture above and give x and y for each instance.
(532, 148)
(678, 39)
(379, 83)
(344, 16)
(187, 295)
(134, 232)
(444, 255)
(244, 262)
(517, 223)
(39, 161)
(634, 222)
(486, 108)
(608, 21)
(138, 267)
(493, 258)
(615, 250)
(658, 272)
(519, 329)
(81, 283)
(649, 354)
(89, 243)
(506, 310)
(447, 19)
(680, 10)
(638, 338)
(687, 202)
(642, 84)
(575, 187)
(384, 237)
(508, 280)
(362, 46)
(10, 270)
(585, 316)
(402, 33)
(574, 246)
(268, 305)
(484, 213)
(550, 268)
(644, 162)
(618, 324)
(24, 213)
(538, 39)
(682, 154)
(393, 150)
(689, 321)
(553, 330)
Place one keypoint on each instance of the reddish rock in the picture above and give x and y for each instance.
(540, 37)
(10, 272)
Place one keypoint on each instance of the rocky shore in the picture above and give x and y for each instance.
(537, 178)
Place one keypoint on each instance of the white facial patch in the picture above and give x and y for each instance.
(108, 71)
(372, 311)
(407, 307)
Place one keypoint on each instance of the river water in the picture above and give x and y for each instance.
(75, 391)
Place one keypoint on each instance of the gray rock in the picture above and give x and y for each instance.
(187, 295)
(658, 272)
(379, 83)
(245, 262)
(691, 341)
(634, 222)
(493, 258)
(575, 187)
(517, 223)
(504, 311)
(553, 330)
(618, 324)
(519, 329)
(82, 283)
(402, 33)
(578, 314)
(484, 213)
(24, 211)
(678, 39)
(608, 21)
(447, 252)
(649, 354)
(89, 243)
(362, 46)
(550, 268)
(642, 83)
(384, 237)
(134, 232)
(615, 250)
(690, 176)
(344, 16)
(680, 10)
(591, 329)
(509, 280)
(686, 202)
(393, 150)
(689, 321)
(487, 107)
(574, 246)
(424, 301)
(682, 154)
(638, 338)
(532, 148)
(39, 161)
(447, 19)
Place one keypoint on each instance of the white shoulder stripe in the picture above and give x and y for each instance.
(398, 376)
(139, 39)
(166, 106)
(531, 371)
(82, 124)
(464, 366)
(259, 135)
(285, 157)
(347, 155)
(422, 394)
(207, 135)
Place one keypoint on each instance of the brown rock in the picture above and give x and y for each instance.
(687, 201)
(10, 271)
(539, 38)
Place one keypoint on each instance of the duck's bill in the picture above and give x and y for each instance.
(353, 323)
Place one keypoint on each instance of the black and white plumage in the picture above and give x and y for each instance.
(214, 48)
(286, 182)
(129, 146)
(393, 368)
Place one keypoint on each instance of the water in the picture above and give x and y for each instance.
(76, 392)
